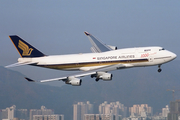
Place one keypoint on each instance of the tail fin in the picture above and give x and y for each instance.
(24, 48)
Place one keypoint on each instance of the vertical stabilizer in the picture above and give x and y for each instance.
(24, 48)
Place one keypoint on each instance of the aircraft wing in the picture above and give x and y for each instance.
(82, 73)
(97, 46)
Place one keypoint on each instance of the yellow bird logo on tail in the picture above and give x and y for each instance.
(25, 48)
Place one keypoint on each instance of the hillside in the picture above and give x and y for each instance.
(129, 86)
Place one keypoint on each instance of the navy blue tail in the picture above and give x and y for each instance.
(24, 48)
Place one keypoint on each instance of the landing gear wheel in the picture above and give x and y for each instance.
(159, 70)
(92, 76)
(97, 79)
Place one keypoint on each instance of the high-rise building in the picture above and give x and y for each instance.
(12, 113)
(142, 109)
(165, 111)
(80, 109)
(114, 108)
(4, 114)
(42, 111)
(48, 117)
(100, 117)
(8, 113)
(174, 110)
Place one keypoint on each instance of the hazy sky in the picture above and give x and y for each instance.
(57, 26)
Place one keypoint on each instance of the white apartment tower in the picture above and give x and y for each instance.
(80, 109)
(114, 108)
(42, 111)
(48, 117)
(165, 111)
(8, 113)
(100, 117)
(138, 110)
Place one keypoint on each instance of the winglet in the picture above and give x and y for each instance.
(30, 80)
(97, 45)
(86, 33)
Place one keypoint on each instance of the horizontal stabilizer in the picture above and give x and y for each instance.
(19, 64)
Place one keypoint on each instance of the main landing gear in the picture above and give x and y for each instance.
(97, 79)
(159, 70)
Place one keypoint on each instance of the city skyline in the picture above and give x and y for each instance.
(12, 113)
(84, 111)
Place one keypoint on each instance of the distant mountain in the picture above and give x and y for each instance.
(129, 86)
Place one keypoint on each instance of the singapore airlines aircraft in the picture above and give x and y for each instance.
(104, 58)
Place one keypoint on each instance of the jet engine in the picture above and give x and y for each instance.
(74, 81)
(106, 77)
(103, 75)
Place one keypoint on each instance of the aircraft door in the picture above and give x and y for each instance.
(151, 59)
(136, 53)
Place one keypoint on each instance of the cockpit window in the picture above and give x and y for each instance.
(161, 49)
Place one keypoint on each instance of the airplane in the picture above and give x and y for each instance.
(104, 58)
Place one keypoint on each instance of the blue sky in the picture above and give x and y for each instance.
(57, 26)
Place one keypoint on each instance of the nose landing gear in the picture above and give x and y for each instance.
(159, 70)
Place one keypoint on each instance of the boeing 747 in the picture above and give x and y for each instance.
(104, 58)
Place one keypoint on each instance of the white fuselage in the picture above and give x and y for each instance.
(129, 57)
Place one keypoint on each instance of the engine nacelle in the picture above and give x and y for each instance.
(74, 82)
(104, 76)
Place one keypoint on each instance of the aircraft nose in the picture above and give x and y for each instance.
(173, 55)
(170, 56)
